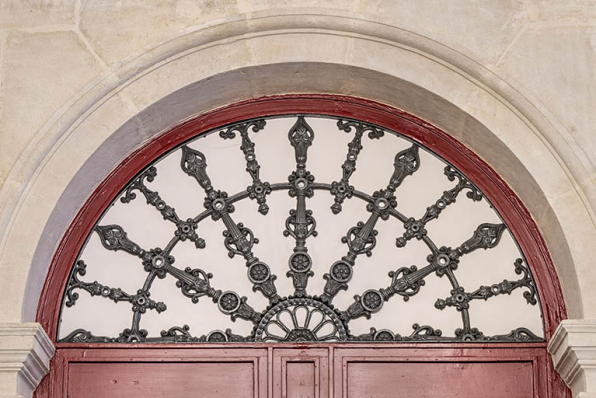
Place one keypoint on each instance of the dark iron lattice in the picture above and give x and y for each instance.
(300, 225)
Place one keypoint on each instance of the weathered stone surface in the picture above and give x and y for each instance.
(482, 29)
(568, 11)
(41, 71)
(118, 29)
(21, 14)
(557, 64)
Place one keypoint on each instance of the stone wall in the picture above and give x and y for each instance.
(82, 83)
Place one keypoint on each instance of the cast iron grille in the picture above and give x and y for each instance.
(301, 315)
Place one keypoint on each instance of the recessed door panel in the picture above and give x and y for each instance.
(301, 373)
(445, 380)
(153, 380)
(438, 372)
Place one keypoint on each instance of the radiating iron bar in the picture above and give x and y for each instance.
(407, 281)
(465, 313)
(361, 239)
(185, 228)
(300, 224)
(114, 238)
(135, 333)
(238, 239)
(140, 301)
(342, 189)
(94, 289)
(416, 228)
(460, 298)
(259, 189)
(194, 283)
(152, 197)
(465, 317)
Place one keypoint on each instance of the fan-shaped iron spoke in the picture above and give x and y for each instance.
(238, 238)
(361, 239)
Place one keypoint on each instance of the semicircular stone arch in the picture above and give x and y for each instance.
(306, 225)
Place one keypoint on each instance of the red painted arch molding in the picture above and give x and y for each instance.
(512, 210)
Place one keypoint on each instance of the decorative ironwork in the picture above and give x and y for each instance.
(342, 189)
(361, 239)
(300, 224)
(301, 316)
(239, 239)
(259, 189)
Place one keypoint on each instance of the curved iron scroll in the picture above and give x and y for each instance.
(301, 316)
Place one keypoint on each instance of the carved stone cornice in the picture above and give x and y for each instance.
(25, 353)
(573, 348)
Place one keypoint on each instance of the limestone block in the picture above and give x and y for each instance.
(579, 236)
(188, 69)
(411, 66)
(41, 72)
(574, 11)
(299, 47)
(117, 29)
(573, 348)
(57, 173)
(481, 28)
(556, 64)
(21, 14)
(247, 6)
(25, 353)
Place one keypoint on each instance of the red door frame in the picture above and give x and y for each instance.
(511, 209)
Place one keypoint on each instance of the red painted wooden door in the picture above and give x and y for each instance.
(300, 372)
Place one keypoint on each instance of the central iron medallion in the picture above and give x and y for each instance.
(300, 320)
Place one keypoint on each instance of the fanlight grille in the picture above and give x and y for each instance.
(302, 311)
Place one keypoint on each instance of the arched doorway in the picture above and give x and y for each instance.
(300, 358)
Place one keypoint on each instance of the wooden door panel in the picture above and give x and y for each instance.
(156, 380)
(300, 379)
(301, 373)
(445, 380)
(157, 372)
(439, 372)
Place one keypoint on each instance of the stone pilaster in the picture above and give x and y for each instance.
(573, 348)
(25, 353)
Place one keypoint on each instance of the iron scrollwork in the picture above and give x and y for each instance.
(301, 317)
